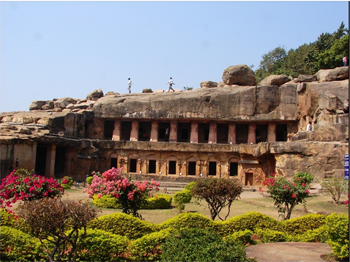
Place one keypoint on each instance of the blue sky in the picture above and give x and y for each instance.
(67, 49)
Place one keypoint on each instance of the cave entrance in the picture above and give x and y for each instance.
(125, 130)
(261, 133)
(183, 132)
(108, 129)
(163, 131)
(133, 165)
(192, 168)
(40, 161)
(60, 162)
(114, 162)
(145, 131)
(281, 132)
(233, 169)
(203, 133)
(242, 134)
(152, 166)
(212, 168)
(222, 133)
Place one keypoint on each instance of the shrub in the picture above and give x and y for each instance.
(300, 225)
(8, 218)
(89, 180)
(218, 193)
(200, 245)
(131, 195)
(20, 187)
(106, 201)
(250, 221)
(303, 178)
(244, 237)
(335, 187)
(67, 182)
(99, 245)
(268, 235)
(124, 225)
(187, 220)
(50, 219)
(338, 234)
(287, 194)
(314, 235)
(16, 245)
(149, 247)
(147, 90)
(190, 186)
(181, 198)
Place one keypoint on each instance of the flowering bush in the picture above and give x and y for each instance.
(131, 195)
(287, 194)
(17, 187)
(67, 182)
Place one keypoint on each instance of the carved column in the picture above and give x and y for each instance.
(232, 134)
(134, 135)
(194, 132)
(154, 131)
(212, 133)
(173, 131)
(271, 132)
(50, 160)
(116, 131)
(198, 168)
(252, 134)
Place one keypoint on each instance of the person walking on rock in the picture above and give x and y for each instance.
(129, 85)
(171, 83)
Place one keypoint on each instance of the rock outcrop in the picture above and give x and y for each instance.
(208, 84)
(94, 95)
(239, 75)
(276, 80)
(338, 73)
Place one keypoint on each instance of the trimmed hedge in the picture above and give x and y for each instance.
(99, 245)
(315, 235)
(300, 225)
(8, 219)
(149, 247)
(16, 245)
(159, 201)
(268, 235)
(338, 234)
(249, 221)
(187, 220)
(123, 224)
(244, 237)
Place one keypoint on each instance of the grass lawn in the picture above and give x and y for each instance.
(250, 201)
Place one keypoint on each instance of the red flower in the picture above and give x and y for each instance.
(294, 195)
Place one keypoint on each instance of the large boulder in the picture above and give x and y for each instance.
(274, 80)
(239, 75)
(305, 78)
(338, 73)
(36, 105)
(64, 102)
(209, 84)
(95, 95)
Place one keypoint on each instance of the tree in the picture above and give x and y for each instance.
(336, 187)
(57, 224)
(287, 194)
(271, 62)
(218, 193)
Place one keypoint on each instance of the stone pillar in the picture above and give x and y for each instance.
(134, 134)
(212, 133)
(173, 131)
(271, 135)
(163, 166)
(116, 131)
(98, 129)
(194, 132)
(184, 168)
(232, 134)
(154, 131)
(50, 161)
(224, 170)
(198, 168)
(252, 134)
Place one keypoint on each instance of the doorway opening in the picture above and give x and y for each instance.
(183, 132)
(125, 130)
(212, 168)
(191, 168)
(242, 134)
(163, 131)
(40, 162)
(144, 131)
(203, 133)
(172, 168)
(222, 133)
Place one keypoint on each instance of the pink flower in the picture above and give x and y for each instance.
(294, 195)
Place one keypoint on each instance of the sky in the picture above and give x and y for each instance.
(68, 49)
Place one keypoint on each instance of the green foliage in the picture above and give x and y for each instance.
(16, 245)
(181, 198)
(333, 56)
(149, 247)
(187, 220)
(99, 245)
(190, 186)
(245, 237)
(250, 221)
(269, 235)
(300, 225)
(335, 187)
(66, 182)
(201, 245)
(303, 178)
(159, 201)
(315, 235)
(9, 219)
(24, 172)
(338, 234)
(89, 180)
(123, 224)
(218, 193)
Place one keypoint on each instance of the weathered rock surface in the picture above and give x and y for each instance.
(274, 80)
(94, 95)
(62, 103)
(305, 78)
(36, 105)
(239, 75)
(208, 84)
(338, 73)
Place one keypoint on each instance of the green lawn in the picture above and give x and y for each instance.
(250, 201)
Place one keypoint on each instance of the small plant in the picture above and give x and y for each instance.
(181, 198)
(335, 187)
(218, 193)
(16, 187)
(57, 224)
(67, 182)
(287, 194)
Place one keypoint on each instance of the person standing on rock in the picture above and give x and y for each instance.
(345, 61)
(129, 85)
(171, 83)
(309, 127)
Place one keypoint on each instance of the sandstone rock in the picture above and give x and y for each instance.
(6, 119)
(147, 90)
(338, 73)
(64, 102)
(111, 93)
(301, 87)
(208, 84)
(240, 75)
(276, 80)
(94, 95)
(36, 105)
(48, 105)
(43, 121)
(305, 78)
